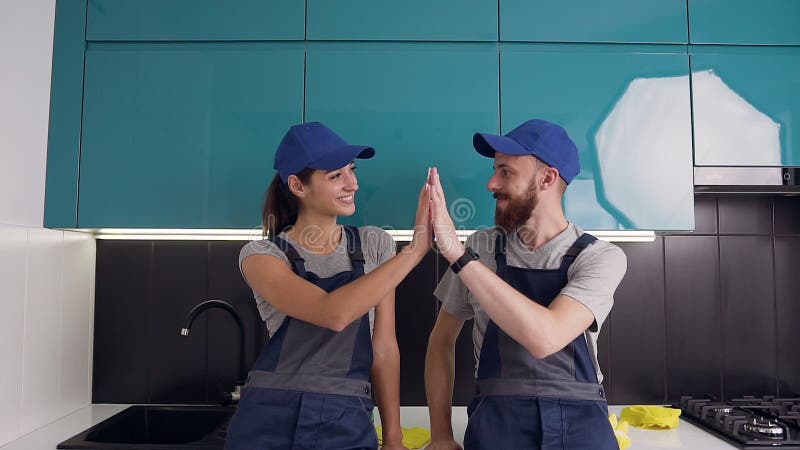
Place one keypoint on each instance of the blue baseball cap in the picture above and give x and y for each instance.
(315, 146)
(540, 138)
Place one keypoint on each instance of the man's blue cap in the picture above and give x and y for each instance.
(315, 146)
(540, 138)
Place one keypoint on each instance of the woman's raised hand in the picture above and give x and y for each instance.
(422, 241)
(441, 222)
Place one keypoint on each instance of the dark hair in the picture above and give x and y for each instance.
(281, 205)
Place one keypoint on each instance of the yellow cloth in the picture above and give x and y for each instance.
(652, 417)
(415, 437)
(620, 431)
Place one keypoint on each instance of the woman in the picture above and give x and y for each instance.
(316, 284)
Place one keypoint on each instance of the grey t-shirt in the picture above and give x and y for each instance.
(592, 278)
(376, 244)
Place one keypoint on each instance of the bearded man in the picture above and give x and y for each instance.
(539, 289)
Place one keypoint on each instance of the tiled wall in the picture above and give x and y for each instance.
(714, 311)
(47, 280)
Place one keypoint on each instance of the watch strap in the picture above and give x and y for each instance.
(468, 256)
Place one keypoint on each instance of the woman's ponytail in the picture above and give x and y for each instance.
(281, 206)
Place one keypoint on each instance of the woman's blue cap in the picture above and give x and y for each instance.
(313, 145)
(540, 138)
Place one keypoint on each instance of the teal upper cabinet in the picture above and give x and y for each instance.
(64, 137)
(637, 21)
(412, 20)
(418, 105)
(746, 104)
(627, 108)
(195, 20)
(182, 135)
(745, 22)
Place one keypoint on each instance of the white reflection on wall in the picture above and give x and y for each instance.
(580, 205)
(646, 141)
(728, 129)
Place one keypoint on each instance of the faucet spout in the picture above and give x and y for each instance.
(208, 304)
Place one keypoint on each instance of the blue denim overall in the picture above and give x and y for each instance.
(309, 389)
(523, 402)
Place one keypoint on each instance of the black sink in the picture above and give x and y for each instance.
(158, 428)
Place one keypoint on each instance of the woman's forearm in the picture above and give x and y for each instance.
(353, 300)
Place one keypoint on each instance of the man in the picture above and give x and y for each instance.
(539, 293)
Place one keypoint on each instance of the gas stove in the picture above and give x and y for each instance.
(752, 423)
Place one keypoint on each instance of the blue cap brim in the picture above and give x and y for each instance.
(487, 144)
(342, 157)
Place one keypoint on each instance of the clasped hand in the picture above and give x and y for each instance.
(433, 220)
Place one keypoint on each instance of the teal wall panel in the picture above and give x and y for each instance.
(418, 105)
(422, 20)
(642, 21)
(182, 135)
(66, 94)
(746, 105)
(745, 22)
(181, 132)
(195, 20)
(627, 109)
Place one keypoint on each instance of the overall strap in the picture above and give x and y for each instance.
(298, 263)
(354, 249)
(500, 252)
(580, 244)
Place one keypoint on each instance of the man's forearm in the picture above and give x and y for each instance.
(439, 377)
(386, 380)
(527, 322)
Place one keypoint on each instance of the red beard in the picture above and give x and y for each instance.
(517, 210)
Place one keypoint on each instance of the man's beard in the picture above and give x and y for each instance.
(517, 210)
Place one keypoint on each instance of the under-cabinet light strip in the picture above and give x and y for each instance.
(163, 234)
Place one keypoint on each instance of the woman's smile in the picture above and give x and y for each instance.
(346, 198)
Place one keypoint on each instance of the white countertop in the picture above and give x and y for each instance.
(686, 436)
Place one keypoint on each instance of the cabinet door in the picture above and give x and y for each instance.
(644, 21)
(744, 22)
(412, 20)
(418, 105)
(627, 109)
(195, 20)
(64, 133)
(183, 135)
(745, 100)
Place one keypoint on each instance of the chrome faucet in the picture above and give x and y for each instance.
(232, 397)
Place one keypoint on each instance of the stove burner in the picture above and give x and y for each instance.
(764, 427)
(750, 422)
(713, 410)
(715, 413)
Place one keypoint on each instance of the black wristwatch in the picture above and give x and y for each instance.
(469, 255)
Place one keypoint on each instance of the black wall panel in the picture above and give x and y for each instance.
(748, 316)
(121, 314)
(178, 274)
(637, 327)
(225, 282)
(787, 290)
(693, 317)
(709, 312)
(415, 313)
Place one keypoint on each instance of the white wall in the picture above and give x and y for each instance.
(46, 276)
(46, 301)
(26, 50)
